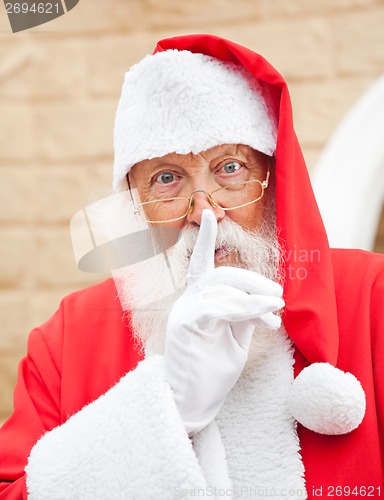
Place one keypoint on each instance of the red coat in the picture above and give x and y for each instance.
(87, 346)
(335, 314)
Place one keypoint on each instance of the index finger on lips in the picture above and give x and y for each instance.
(203, 255)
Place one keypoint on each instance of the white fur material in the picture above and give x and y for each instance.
(211, 454)
(131, 442)
(327, 400)
(257, 428)
(128, 444)
(177, 101)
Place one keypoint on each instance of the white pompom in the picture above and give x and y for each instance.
(327, 400)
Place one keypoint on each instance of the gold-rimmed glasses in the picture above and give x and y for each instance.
(231, 197)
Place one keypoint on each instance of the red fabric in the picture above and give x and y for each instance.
(356, 459)
(87, 346)
(334, 313)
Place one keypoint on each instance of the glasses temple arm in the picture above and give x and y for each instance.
(266, 180)
(135, 209)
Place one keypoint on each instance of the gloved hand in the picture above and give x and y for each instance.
(210, 328)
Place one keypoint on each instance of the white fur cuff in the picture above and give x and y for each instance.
(129, 443)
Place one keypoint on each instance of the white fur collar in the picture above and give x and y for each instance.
(257, 430)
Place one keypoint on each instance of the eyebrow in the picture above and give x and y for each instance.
(234, 150)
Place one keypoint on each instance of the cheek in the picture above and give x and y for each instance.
(250, 217)
(177, 224)
(143, 194)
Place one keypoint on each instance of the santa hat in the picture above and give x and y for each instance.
(178, 101)
(184, 102)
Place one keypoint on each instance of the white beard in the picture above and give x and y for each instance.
(150, 288)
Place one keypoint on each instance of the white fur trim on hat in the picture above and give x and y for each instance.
(177, 101)
(327, 400)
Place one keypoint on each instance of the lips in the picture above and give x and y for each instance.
(221, 253)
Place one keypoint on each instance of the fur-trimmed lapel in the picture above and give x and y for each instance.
(257, 431)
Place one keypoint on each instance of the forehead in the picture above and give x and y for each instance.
(217, 152)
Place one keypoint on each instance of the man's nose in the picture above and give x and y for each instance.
(199, 203)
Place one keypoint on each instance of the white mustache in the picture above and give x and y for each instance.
(230, 236)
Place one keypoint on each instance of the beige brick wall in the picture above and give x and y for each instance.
(59, 86)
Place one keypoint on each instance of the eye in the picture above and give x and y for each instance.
(165, 178)
(231, 167)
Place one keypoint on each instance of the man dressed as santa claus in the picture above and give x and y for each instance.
(245, 360)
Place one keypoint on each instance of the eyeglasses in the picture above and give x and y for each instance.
(237, 195)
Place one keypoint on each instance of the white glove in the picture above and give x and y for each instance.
(210, 329)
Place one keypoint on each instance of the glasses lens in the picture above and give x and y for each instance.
(238, 195)
(164, 210)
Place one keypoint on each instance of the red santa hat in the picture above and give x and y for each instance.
(201, 91)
